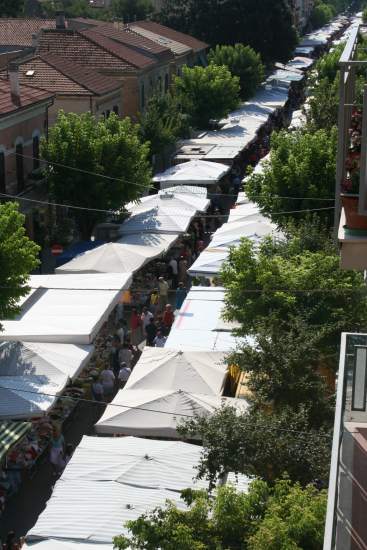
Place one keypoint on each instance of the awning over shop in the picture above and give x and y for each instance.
(157, 413)
(188, 203)
(10, 434)
(33, 375)
(158, 220)
(197, 172)
(162, 368)
(67, 309)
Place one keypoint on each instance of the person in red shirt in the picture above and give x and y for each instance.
(168, 318)
(135, 324)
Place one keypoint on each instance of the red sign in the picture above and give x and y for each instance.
(57, 249)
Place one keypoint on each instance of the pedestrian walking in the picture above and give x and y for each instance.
(125, 355)
(159, 340)
(146, 316)
(135, 323)
(124, 374)
(163, 292)
(97, 390)
(108, 382)
(57, 451)
(151, 332)
(182, 270)
(181, 294)
(168, 318)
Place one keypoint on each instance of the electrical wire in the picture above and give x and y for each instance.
(121, 406)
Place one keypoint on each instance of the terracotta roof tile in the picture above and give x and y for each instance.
(28, 96)
(55, 74)
(18, 32)
(126, 36)
(137, 59)
(171, 34)
(78, 48)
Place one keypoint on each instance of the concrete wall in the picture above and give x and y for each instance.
(84, 104)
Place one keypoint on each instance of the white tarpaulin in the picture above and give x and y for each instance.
(192, 172)
(158, 220)
(119, 257)
(197, 371)
(196, 323)
(110, 481)
(190, 189)
(302, 63)
(230, 234)
(246, 212)
(209, 262)
(32, 375)
(185, 202)
(157, 413)
(67, 309)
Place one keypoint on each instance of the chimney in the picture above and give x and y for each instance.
(14, 82)
(60, 20)
(34, 41)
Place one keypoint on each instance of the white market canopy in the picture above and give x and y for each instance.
(197, 172)
(230, 234)
(158, 220)
(67, 309)
(32, 375)
(209, 262)
(122, 256)
(301, 63)
(187, 203)
(196, 323)
(157, 413)
(196, 371)
(110, 481)
(246, 212)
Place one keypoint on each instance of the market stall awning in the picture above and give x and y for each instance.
(67, 309)
(230, 234)
(192, 172)
(157, 413)
(187, 189)
(246, 212)
(33, 375)
(10, 434)
(186, 202)
(158, 220)
(209, 262)
(162, 368)
(121, 256)
(110, 481)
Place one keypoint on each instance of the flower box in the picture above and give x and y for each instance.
(353, 219)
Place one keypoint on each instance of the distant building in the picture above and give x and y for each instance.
(23, 120)
(301, 11)
(76, 89)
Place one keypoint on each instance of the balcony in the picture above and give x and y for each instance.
(351, 176)
(346, 526)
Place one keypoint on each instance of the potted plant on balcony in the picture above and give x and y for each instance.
(349, 199)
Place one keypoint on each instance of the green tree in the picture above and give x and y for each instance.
(243, 62)
(266, 26)
(11, 8)
(207, 93)
(18, 257)
(261, 444)
(82, 150)
(301, 167)
(131, 10)
(364, 15)
(273, 285)
(321, 14)
(233, 520)
(162, 123)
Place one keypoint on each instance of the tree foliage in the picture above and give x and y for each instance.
(301, 167)
(321, 14)
(18, 257)
(207, 93)
(286, 284)
(131, 10)
(285, 516)
(243, 62)
(11, 8)
(95, 149)
(162, 123)
(266, 26)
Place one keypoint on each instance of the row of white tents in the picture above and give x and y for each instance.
(112, 480)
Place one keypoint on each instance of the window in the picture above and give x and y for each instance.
(36, 152)
(2, 173)
(116, 110)
(166, 84)
(19, 167)
(142, 100)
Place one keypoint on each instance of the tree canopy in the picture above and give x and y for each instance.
(18, 257)
(243, 62)
(321, 14)
(285, 516)
(207, 93)
(81, 151)
(11, 8)
(131, 10)
(266, 26)
(301, 169)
